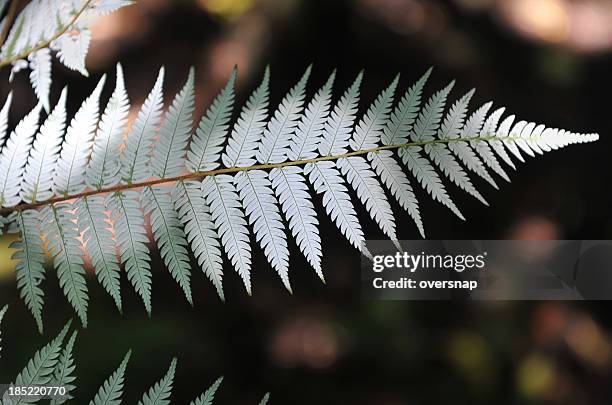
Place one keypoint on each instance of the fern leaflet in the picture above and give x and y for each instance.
(207, 191)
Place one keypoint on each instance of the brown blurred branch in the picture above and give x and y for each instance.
(10, 17)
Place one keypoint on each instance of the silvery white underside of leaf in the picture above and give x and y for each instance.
(90, 185)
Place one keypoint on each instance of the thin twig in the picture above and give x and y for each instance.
(200, 175)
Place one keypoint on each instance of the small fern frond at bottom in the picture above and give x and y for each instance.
(265, 399)
(63, 373)
(208, 396)
(54, 365)
(111, 391)
(39, 369)
(256, 174)
(2, 312)
(159, 394)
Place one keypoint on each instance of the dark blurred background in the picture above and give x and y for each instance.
(548, 61)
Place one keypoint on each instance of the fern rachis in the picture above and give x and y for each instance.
(269, 165)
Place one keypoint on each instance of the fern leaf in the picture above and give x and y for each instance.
(111, 391)
(488, 157)
(226, 210)
(103, 168)
(400, 123)
(208, 397)
(2, 313)
(427, 176)
(293, 194)
(132, 238)
(368, 132)
(160, 393)
(39, 369)
(463, 151)
(169, 235)
(40, 75)
(38, 176)
(135, 158)
(69, 176)
(396, 180)
(30, 259)
(455, 118)
(72, 49)
(305, 141)
(339, 125)
(4, 117)
(207, 143)
(194, 214)
(532, 140)
(429, 118)
(62, 375)
(524, 137)
(169, 152)
(490, 129)
(277, 136)
(363, 180)
(14, 157)
(261, 207)
(506, 129)
(59, 225)
(242, 144)
(104, 7)
(518, 131)
(443, 158)
(327, 180)
(98, 239)
(265, 399)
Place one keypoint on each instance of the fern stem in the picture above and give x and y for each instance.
(230, 170)
(44, 43)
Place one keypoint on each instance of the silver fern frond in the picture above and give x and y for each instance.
(89, 188)
(44, 27)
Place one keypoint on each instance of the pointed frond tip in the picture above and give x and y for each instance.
(222, 187)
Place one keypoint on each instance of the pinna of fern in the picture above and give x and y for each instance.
(54, 365)
(29, 36)
(82, 184)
